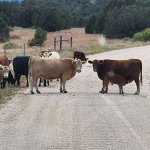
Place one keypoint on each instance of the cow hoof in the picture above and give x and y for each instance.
(65, 91)
(38, 92)
(61, 91)
(100, 92)
(136, 93)
(32, 92)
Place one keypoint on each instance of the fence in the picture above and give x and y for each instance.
(60, 41)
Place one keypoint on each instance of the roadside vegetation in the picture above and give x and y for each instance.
(142, 36)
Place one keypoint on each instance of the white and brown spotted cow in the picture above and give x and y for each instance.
(49, 69)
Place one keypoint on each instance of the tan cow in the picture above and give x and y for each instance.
(44, 68)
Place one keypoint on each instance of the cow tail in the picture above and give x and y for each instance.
(141, 79)
(29, 69)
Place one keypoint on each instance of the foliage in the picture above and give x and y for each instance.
(10, 45)
(40, 37)
(142, 36)
(4, 31)
(121, 18)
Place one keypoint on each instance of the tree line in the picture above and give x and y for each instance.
(120, 18)
(114, 18)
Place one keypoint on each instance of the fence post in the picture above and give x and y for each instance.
(71, 42)
(61, 42)
(54, 43)
(24, 49)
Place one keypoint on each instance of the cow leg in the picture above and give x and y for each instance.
(47, 82)
(61, 91)
(121, 89)
(40, 82)
(18, 79)
(27, 85)
(44, 82)
(3, 84)
(36, 86)
(105, 87)
(31, 86)
(137, 82)
(64, 83)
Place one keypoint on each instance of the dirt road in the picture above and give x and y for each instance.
(83, 118)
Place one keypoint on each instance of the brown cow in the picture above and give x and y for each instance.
(129, 70)
(44, 68)
(79, 55)
(4, 61)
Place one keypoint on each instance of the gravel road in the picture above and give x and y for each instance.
(82, 119)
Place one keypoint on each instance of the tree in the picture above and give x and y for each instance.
(90, 27)
(39, 38)
(4, 31)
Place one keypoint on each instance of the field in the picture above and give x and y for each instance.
(87, 43)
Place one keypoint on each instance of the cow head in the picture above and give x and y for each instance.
(78, 64)
(96, 63)
(5, 70)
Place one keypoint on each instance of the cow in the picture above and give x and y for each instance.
(48, 54)
(64, 69)
(4, 61)
(19, 68)
(79, 55)
(4, 71)
(125, 71)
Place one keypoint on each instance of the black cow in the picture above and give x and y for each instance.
(79, 55)
(20, 66)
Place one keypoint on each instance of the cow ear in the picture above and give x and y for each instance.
(91, 62)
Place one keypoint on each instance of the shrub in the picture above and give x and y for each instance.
(142, 36)
(10, 45)
(39, 38)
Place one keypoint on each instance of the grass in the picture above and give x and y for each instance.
(7, 93)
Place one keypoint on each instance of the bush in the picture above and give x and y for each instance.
(142, 36)
(10, 45)
(39, 38)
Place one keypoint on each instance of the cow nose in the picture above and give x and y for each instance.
(78, 71)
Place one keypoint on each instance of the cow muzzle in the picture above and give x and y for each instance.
(5, 76)
(78, 70)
